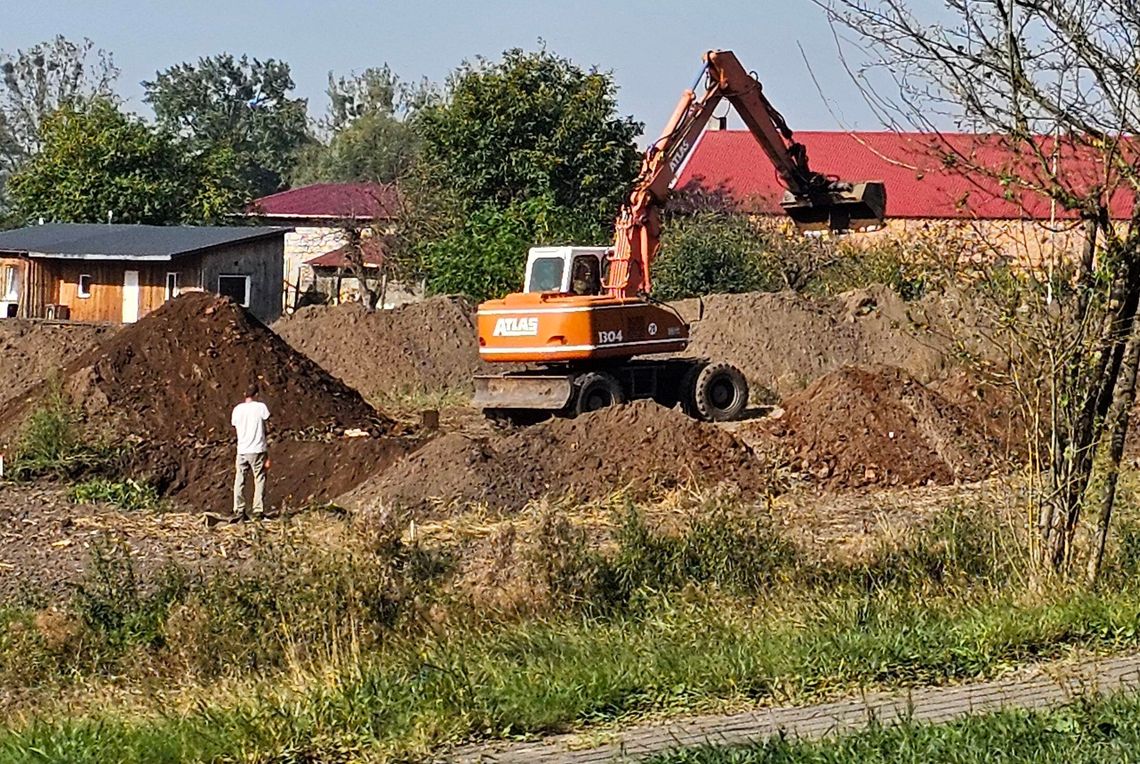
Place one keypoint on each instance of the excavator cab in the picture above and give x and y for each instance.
(565, 270)
(840, 208)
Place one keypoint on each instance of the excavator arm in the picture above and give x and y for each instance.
(815, 202)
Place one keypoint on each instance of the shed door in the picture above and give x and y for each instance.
(130, 297)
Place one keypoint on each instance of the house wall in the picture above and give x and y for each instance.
(106, 300)
(50, 282)
(1027, 243)
(337, 288)
(263, 261)
(301, 244)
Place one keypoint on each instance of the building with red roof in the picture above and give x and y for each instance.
(930, 182)
(330, 203)
(319, 215)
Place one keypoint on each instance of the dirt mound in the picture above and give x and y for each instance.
(880, 426)
(590, 457)
(169, 382)
(783, 341)
(428, 345)
(31, 351)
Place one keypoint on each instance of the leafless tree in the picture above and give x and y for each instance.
(37, 81)
(1055, 86)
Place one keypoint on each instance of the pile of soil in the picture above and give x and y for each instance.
(783, 341)
(641, 446)
(429, 345)
(880, 426)
(31, 351)
(169, 382)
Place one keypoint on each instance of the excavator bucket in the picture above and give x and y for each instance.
(842, 208)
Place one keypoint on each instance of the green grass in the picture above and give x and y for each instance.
(1105, 731)
(320, 655)
(414, 695)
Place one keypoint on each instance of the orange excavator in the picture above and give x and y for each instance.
(586, 312)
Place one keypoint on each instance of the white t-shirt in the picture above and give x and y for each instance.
(249, 421)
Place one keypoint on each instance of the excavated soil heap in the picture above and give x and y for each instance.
(428, 345)
(169, 382)
(880, 426)
(31, 351)
(640, 444)
(783, 341)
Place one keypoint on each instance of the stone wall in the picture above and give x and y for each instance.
(305, 243)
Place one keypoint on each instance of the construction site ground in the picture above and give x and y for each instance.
(836, 436)
(864, 427)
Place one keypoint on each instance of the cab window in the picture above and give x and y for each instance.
(546, 275)
(584, 278)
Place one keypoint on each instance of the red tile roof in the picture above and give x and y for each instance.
(330, 201)
(373, 256)
(919, 184)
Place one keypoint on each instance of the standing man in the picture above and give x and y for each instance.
(248, 419)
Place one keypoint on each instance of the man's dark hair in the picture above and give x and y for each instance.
(252, 390)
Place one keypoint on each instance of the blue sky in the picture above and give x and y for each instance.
(653, 48)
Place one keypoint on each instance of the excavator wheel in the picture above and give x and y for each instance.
(719, 393)
(596, 390)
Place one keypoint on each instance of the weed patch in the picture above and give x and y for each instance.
(124, 494)
(52, 444)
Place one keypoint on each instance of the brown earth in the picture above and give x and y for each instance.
(783, 341)
(640, 446)
(31, 351)
(169, 382)
(859, 427)
(428, 345)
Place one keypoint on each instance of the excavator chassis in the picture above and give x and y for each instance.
(704, 390)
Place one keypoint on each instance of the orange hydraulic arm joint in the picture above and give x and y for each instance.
(814, 201)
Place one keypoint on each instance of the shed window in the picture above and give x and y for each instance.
(234, 287)
(171, 285)
(84, 285)
(9, 283)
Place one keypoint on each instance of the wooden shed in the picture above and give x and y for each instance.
(118, 273)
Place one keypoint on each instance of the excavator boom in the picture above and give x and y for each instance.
(815, 202)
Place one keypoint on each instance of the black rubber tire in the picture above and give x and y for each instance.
(720, 393)
(597, 390)
(686, 387)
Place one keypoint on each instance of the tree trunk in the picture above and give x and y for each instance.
(1074, 462)
(1118, 422)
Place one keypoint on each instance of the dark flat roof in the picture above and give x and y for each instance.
(98, 241)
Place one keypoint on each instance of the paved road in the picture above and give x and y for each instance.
(1045, 686)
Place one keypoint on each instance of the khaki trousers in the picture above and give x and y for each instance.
(255, 463)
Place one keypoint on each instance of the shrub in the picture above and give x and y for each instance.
(125, 494)
(52, 443)
(715, 252)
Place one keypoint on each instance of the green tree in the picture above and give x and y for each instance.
(237, 105)
(38, 81)
(530, 125)
(96, 163)
(374, 147)
(485, 256)
(369, 135)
